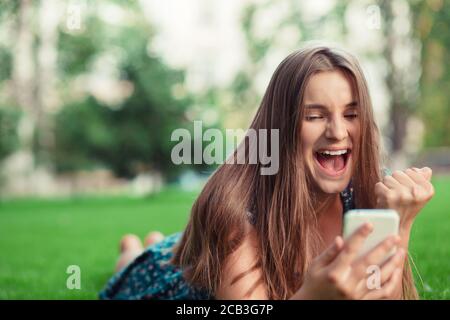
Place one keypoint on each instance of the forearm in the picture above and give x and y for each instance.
(404, 232)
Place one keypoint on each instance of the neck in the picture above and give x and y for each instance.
(327, 203)
(329, 219)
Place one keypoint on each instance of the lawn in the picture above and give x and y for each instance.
(39, 239)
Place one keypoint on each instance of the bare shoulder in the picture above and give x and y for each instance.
(242, 277)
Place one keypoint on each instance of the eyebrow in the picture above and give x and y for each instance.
(321, 106)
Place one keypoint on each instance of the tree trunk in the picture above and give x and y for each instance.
(24, 77)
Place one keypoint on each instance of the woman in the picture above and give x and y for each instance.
(253, 236)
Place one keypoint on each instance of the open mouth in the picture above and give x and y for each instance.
(333, 162)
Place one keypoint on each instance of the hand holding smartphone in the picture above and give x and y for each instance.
(385, 223)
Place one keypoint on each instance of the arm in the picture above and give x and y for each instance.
(326, 278)
(242, 263)
(404, 233)
(407, 192)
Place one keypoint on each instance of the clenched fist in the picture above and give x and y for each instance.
(406, 191)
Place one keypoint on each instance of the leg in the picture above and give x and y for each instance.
(131, 247)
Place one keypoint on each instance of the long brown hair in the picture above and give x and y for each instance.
(283, 205)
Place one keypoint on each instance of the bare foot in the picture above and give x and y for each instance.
(130, 248)
(153, 237)
(130, 242)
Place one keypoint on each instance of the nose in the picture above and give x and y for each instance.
(336, 129)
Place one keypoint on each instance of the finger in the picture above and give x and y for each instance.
(331, 252)
(403, 179)
(421, 181)
(417, 177)
(352, 245)
(381, 189)
(426, 172)
(388, 290)
(391, 286)
(386, 271)
(376, 255)
(394, 262)
(391, 182)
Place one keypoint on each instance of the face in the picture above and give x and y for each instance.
(330, 130)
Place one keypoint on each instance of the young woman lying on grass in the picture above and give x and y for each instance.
(253, 236)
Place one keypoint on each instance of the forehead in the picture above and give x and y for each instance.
(328, 88)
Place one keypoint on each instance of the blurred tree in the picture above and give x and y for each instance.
(31, 67)
(9, 140)
(23, 73)
(400, 80)
(129, 136)
(400, 54)
(432, 27)
(289, 30)
(9, 116)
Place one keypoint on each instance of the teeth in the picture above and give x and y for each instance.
(334, 153)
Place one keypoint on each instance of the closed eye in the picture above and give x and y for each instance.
(314, 117)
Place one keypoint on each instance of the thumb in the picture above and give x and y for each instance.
(425, 172)
(331, 252)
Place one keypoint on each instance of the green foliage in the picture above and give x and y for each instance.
(132, 138)
(133, 135)
(81, 135)
(432, 25)
(8, 7)
(6, 63)
(77, 51)
(9, 119)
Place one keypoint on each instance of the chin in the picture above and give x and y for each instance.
(332, 187)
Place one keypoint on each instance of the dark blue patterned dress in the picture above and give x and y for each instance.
(150, 276)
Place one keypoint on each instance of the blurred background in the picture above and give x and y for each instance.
(90, 92)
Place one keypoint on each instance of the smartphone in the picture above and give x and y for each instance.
(385, 223)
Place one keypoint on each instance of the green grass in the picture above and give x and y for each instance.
(39, 239)
(430, 244)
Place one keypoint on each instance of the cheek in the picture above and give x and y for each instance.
(309, 136)
(354, 133)
(355, 136)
